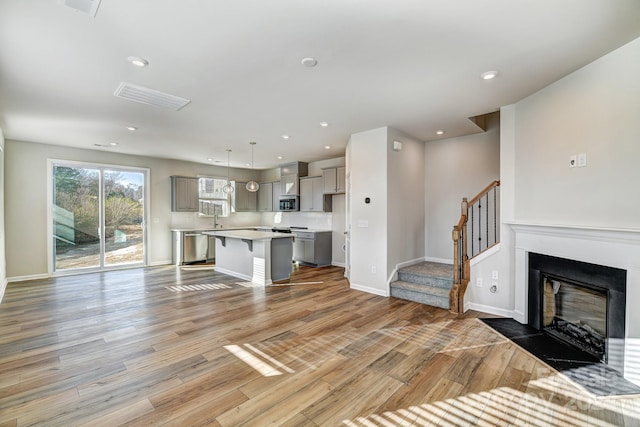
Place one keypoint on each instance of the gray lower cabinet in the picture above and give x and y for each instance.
(184, 194)
(312, 248)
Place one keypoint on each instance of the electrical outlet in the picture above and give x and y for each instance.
(494, 274)
(373, 269)
(479, 282)
(494, 288)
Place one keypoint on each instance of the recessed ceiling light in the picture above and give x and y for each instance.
(309, 62)
(285, 137)
(138, 62)
(113, 144)
(488, 75)
(327, 147)
(324, 124)
(440, 132)
(132, 128)
(280, 157)
(209, 159)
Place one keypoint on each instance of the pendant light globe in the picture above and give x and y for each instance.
(252, 186)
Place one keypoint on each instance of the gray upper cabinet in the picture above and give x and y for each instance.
(265, 197)
(243, 200)
(289, 185)
(289, 176)
(276, 196)
(333, 180)
(312, 198)
(184, 194)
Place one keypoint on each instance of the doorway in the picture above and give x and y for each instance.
(97, 216)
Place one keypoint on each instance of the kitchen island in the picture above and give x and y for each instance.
(256, 256)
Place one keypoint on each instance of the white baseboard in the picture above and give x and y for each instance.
(338, 264)
(489, 310)
(234, 274)
(159, 263)
(3, 288)
(369, 290)
(439, 260)
(29, 277)
(410, 262)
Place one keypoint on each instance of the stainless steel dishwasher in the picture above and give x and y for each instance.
(189, 247)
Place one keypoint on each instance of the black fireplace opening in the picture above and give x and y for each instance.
(575, 313)
(580, 304)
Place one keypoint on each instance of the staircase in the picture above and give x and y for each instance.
(444, 285)
(427, 283)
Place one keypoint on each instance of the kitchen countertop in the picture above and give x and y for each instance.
(199, 230)
(248, 227)
(248, 234)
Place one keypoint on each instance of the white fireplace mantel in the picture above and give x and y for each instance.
(611, 247)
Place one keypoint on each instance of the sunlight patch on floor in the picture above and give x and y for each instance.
(508, 406)
(199, 287)
(267, 366)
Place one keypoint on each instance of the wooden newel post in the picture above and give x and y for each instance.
(455, 234)
(464, 206)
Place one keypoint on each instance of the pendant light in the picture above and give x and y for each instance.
(252, 186)
(228, 188)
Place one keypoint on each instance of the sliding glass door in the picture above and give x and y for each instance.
(97, 216)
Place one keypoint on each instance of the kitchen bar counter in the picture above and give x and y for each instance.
(257, 256)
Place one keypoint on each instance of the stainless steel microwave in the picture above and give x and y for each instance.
(289, 203)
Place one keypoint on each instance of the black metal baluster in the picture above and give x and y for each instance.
(472, 230)
(479, 226)
(487, 228)
(495, 216)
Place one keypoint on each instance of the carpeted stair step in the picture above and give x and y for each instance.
(424, 294)
(428, 273)
(427, 283)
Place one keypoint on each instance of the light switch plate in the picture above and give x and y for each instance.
(582, 160)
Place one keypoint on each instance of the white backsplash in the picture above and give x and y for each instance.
(315, 220)
(195, 221)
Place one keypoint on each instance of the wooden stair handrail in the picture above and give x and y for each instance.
(461, 264)
(484, 192)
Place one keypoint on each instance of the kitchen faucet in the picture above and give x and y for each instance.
(215, 221)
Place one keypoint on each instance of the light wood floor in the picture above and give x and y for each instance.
(166, 346)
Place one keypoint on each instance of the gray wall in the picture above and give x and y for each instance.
(595, 110)
(3, 267)
(367, 168)
(405, 200)
(390, 229)
(456, 168)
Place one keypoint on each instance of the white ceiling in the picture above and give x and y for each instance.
(410, 64)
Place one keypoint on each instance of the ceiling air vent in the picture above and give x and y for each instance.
(148, 96)
(90, 7)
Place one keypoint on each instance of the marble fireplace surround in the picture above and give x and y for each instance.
(618, 248)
